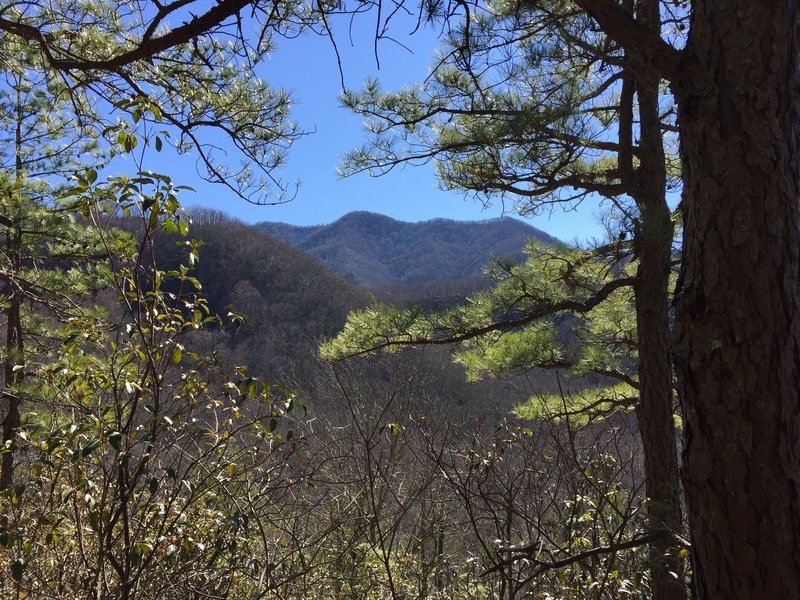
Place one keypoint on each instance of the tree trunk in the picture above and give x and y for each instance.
(738, 313)
(12, 376)
(12, 420)
(655, 415)
(653, 247)
(14, 349)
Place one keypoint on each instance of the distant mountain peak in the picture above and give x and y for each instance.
(375, 250)
(365, 214)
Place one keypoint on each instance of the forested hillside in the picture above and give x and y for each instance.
(373, 250)
(291, 303)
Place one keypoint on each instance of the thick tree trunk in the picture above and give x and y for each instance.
(738, 311)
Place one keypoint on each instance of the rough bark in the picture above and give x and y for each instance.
(655, 415)
(653, 245)
(738, 328)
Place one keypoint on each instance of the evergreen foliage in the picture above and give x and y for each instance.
(92, 61)
(562, 309)
(530, 103)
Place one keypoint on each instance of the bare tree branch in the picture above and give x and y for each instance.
(528, 552)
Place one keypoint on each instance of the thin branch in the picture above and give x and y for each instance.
(528, 552)
(443, 336)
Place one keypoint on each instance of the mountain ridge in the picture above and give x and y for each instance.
(373, 250)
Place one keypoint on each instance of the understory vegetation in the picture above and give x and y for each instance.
(147, 465)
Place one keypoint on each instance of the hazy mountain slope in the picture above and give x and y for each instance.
(374, 250)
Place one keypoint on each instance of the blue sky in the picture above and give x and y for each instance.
(307, 67)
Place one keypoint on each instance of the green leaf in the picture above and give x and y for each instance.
(6, 539)
(53, 537)
(395, 428)
(17, 568)
(90, 447)
(115, 439)
(16, 494)
(140, 549)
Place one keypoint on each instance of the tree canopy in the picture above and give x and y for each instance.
(182, 66)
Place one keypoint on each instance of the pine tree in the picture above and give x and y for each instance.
(47, 261)
(530, 103)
